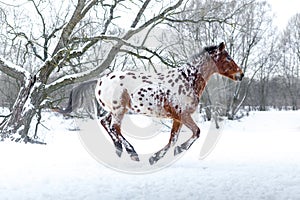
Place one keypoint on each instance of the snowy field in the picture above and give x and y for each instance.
(257, 157)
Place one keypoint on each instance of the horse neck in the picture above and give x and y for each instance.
(204, 67)
(198, 73)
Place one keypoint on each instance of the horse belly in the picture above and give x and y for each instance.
(150, 100)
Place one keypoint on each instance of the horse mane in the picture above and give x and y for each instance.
(210, 49)
(195, 58)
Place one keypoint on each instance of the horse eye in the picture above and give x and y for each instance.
(228, 58)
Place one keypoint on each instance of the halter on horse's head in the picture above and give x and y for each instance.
(225, 64)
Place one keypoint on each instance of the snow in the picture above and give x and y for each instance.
(257, 157)
(18, 68)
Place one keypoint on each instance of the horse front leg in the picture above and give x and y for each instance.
(173, 138)
(106, 123)
(189, 122)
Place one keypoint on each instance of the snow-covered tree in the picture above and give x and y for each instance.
(60, 42)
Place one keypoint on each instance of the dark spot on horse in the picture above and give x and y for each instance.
(115, 102)
(144, 77)
(135, 106)
(176, 80)
(161, 78)
(139, 92)
(176, 107)
(142, 95)
(149, 109)
(116, 107)
(122, 77)
(134, 77)
(130, 73)
(113, 76)
(180, 89)
(172, 84)
(150, 104)
(141, 104)
(146, 81)
(140, 99)
(102, 102)
(170, 81)
(100, 83)
(99, 92)
(121, 84)
(149, 88)
(138, 110)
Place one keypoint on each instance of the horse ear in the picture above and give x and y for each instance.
(221, 46)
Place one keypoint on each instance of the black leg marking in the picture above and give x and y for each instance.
(130, 150)
(105, 122)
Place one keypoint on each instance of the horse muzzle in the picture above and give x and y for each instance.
(239, 76)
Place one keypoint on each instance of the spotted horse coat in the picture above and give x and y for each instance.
(174, 94)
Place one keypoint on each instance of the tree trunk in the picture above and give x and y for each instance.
(16, 126)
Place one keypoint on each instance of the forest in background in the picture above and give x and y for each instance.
(47, 48)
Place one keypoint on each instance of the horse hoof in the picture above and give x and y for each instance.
(152, 160)
(119, 152)
(177, 150)
(135, 158)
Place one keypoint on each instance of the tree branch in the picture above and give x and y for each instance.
(115, 49)
(139, 15)
(80, 11)
(13, 70)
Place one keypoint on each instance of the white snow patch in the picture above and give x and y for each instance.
(257, 157)
(16, 67)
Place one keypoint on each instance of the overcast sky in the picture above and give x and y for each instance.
(284, 9)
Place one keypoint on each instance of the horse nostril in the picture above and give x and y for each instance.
(241, 76)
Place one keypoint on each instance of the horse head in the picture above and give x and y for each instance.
(225, 64)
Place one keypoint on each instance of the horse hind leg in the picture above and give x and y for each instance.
(129, 148)
(189, 122)
(118, 114)
(106, 123)
(173, 138)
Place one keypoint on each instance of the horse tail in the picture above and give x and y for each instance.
(76, 97)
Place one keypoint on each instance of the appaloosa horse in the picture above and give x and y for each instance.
(173, 94)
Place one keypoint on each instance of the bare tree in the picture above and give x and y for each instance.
(291, 59)
(62, 43)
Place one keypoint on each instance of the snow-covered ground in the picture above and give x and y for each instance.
(257, 157)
